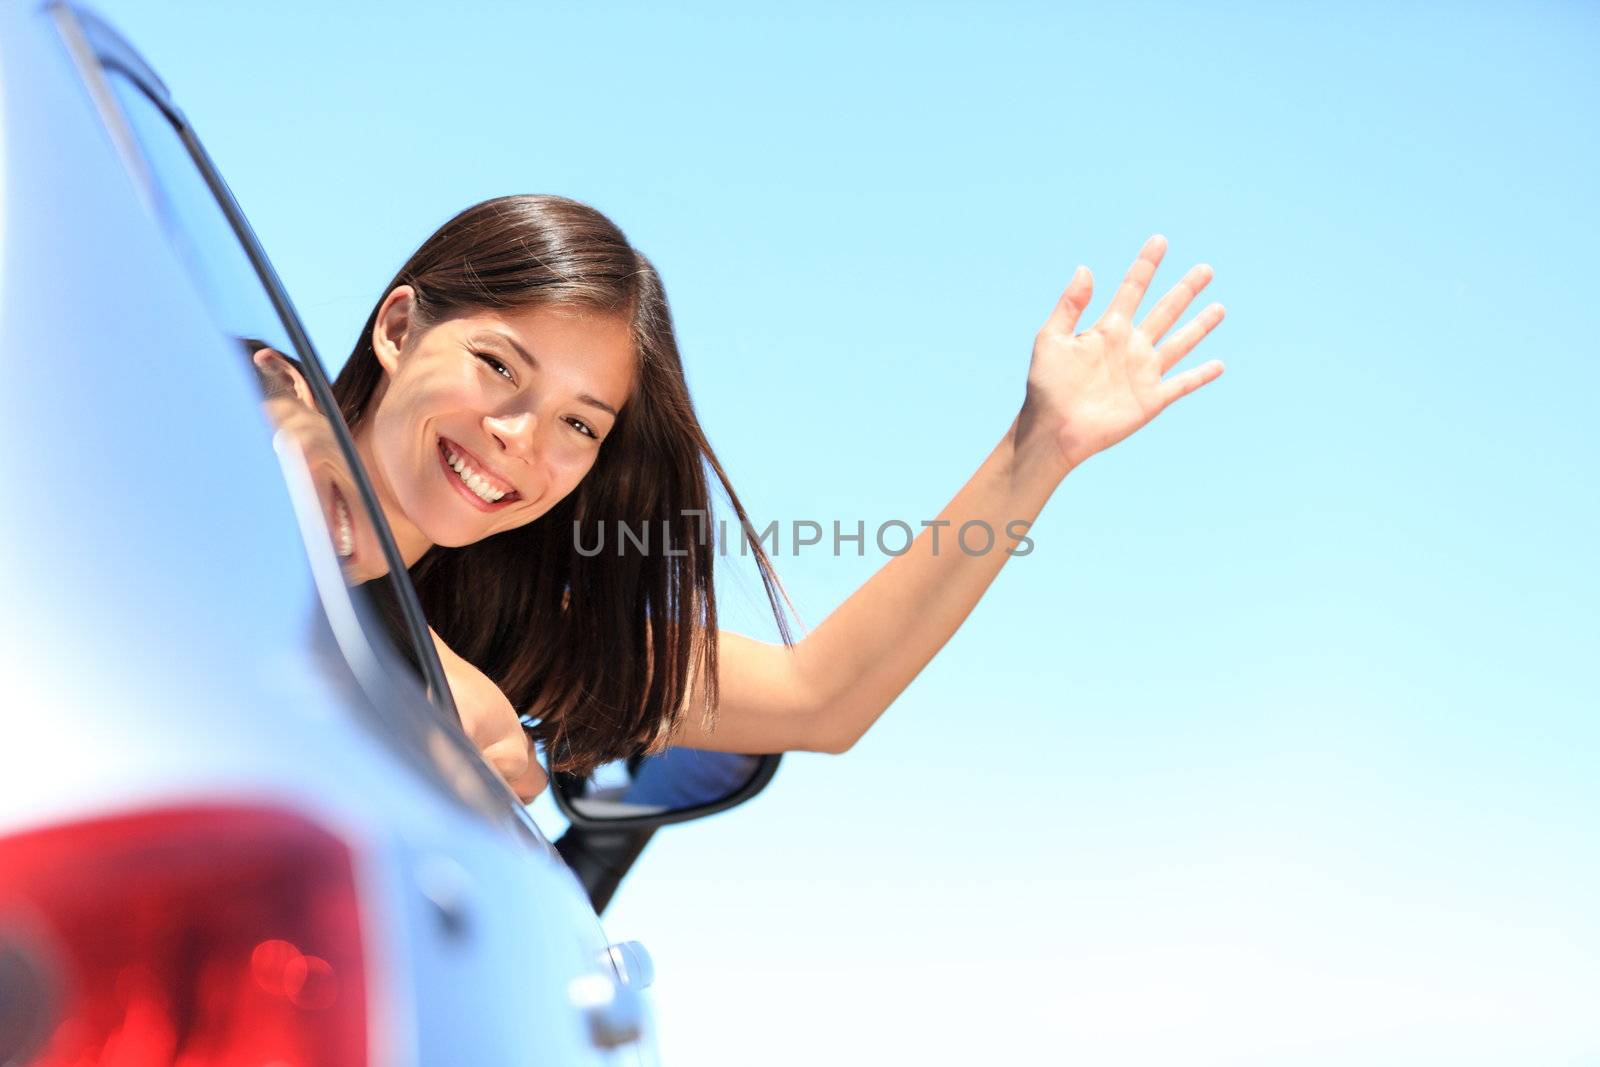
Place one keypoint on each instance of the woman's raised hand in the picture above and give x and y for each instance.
(1089, 390)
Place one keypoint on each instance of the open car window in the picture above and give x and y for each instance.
(258, 332)
(369, 602)
(255, 331)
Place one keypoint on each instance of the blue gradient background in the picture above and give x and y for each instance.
(1280, 747)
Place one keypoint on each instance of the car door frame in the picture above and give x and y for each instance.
(96, 44)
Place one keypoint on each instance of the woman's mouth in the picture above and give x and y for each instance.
(466, 472)
(344, 528)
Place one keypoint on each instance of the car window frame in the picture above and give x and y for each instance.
(98, 52)
(112, 54)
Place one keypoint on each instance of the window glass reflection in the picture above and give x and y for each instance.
(242, 308)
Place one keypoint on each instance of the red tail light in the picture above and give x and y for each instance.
(195, 937)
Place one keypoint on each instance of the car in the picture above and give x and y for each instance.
(240, 821)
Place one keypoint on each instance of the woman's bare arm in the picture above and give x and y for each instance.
(1085, 393)
(825, 692)
(491, 723)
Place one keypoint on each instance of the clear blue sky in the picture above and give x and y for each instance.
(1281, 746)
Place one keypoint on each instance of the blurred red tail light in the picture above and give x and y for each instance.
(196, 937)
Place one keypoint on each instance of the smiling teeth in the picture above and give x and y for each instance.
(472, 479)
(345, 539)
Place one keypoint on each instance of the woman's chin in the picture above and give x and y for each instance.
(451, 535)
(457, 524)
(460, 535)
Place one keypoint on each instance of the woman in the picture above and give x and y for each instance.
(518, 388)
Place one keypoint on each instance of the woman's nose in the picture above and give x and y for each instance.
(513, 432)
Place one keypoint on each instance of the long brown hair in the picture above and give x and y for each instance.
(602, 649)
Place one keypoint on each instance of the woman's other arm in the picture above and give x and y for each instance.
(1085, 393)
(491, 723)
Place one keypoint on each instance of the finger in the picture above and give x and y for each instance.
(1176, 302)
(1180, 385)
(1137, 280)
(1182, 343)
(1064, 319)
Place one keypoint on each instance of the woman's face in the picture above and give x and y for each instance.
(485, 421)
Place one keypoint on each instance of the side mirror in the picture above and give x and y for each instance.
(672, 786)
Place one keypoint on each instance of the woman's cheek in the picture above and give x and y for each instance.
(575, 470)
(387, 456)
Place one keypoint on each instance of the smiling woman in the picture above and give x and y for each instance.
(522, 366)
(519, 381)
(467, 412)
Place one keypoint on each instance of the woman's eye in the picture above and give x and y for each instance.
(583, 428)
(496, 366)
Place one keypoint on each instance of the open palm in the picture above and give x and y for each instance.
(1087, 391)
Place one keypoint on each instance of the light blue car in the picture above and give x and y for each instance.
(239, 820)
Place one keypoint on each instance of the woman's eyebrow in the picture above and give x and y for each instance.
(497, 335)
(533, 364)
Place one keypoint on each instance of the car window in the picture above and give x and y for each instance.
(196, 225)
(262, 334)
(260, 337)
(370, 607)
